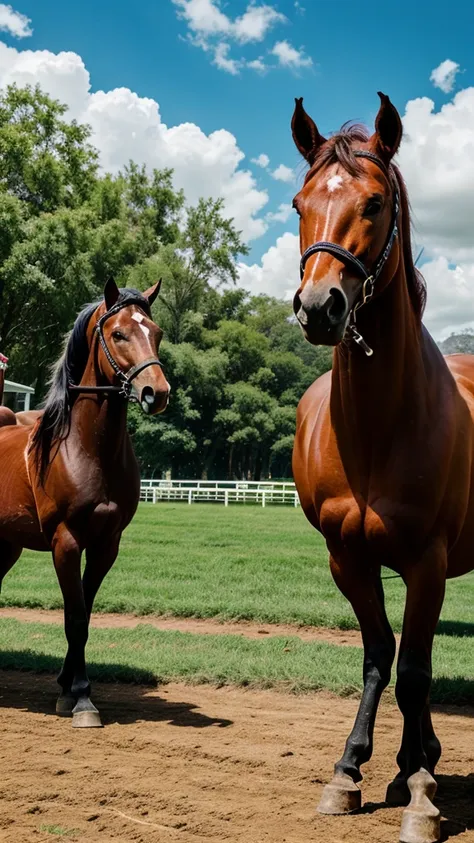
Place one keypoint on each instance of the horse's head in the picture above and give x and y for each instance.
(348, 214)
(128, 347)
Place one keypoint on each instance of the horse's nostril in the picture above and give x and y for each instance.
(147, 398)
(338, 306)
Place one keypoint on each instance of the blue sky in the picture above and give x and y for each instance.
(356, 49)
(343, 53)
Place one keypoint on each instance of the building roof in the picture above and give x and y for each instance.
(11, 386)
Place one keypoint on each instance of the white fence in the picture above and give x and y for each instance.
(219, 491)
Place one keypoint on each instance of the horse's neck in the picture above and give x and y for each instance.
(99, 422)
(371, 395)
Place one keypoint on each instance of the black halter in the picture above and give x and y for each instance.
(346, 257)
(126, 378)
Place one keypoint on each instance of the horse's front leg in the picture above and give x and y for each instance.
(99, 560)
(364, 591)
(397, 791)
(426, 581)
(73, 679)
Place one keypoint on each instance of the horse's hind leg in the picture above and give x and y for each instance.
(73, 679)
(9, 554)
(366, 596)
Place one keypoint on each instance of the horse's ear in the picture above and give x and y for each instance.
(388, 129)
(111, 293)
(153, 292)
(305, 132)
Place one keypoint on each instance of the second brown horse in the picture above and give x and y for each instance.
(384, 451)
(71, 483)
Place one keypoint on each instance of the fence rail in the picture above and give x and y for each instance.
(219, 491)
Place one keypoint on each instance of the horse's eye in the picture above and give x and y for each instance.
(295, 206)
(373, 207)
(118, 336)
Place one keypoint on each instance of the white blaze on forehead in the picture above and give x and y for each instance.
(334, 183)
(139, 317)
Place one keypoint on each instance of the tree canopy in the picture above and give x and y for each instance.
(237, 363)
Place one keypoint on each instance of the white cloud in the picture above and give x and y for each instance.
(256, 22)
(223, 62)
(288, 56)
(444, 76)
(283, 173)
(450, 306)
(203, 16)
(262, 161)
(277, 274)
(14, 22)
(282, 215)
(126, 126)
(258, 65)
(437, 161)
(211, 29)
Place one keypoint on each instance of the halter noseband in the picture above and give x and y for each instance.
(346, 257)
(126, 378)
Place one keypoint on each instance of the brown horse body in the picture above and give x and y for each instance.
(74, 486)
(384, 450)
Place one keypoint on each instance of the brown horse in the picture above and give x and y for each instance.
(383, 456)
(71, 483)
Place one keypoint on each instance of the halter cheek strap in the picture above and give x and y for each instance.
(350, 260)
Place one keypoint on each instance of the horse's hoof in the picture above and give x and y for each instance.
(418, 827)
(64, 705)
(85, 715)
(397, 792)
(86, 720)
(341, 796)
(421, 820)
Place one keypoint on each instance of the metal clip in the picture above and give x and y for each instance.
(359, 339)
(367, 289)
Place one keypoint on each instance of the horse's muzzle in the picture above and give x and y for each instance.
(322, 312)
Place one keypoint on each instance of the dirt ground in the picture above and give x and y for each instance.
(193, 764)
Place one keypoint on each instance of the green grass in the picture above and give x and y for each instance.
(59, 830)
(230, 563)
(147, 655)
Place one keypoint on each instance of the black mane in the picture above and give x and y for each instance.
(54, 424)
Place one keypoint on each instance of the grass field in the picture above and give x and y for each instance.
(147, 655)
(230, 563)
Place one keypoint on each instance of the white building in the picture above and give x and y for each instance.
(18, 396)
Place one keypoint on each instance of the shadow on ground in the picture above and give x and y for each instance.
(117, 703)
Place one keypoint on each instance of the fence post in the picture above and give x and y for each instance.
(263, 498)
(190, 496)
(226, 497)
(154, 495)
